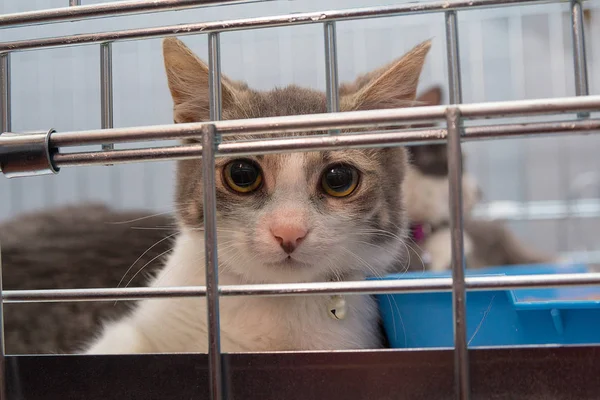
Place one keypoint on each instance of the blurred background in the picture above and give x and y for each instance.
(547, 188)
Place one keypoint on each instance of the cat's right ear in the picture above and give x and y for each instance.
(392, 86)
(187, 76)
(431, 97)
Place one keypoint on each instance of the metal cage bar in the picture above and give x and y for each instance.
(319, 143)
(214, 76)
(296, 289)
(453, 123)
(331, 67)
(209, 141)
(263, 22)
(5, 95)
(459, 308)
(2, 348)
(347, 120)
(579, 52)
(126, 7)
(453, 55)
(106, 90)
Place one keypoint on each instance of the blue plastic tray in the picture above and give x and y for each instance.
(495, 318)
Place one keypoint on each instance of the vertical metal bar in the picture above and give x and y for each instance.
(3, 395)
(5, 96)
(453, 120)
(461, 354)
(214, 75)
(106, 89)
(73, 3)
(209, 146)
(579, 52)
(452, 49)
(331, 68)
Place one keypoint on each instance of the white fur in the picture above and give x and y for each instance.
(247, 323)
(427, 197)
(439, 248)
(427, 200)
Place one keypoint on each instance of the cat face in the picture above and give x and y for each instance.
(297, 217)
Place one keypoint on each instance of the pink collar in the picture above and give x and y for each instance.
(417, 232)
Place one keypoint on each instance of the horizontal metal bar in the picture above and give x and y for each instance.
(103, 10)
(538, 210)
(319, 143)
(480, 283)
(317, 122)
(263, 22)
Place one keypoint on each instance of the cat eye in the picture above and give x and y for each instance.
(242, 176)
(339, 180)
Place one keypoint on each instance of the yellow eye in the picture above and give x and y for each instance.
(339, 180)
(242, 176)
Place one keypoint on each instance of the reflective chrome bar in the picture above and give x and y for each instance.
(480, 283)
(579, 52)
(103, 10)
(106, 90)
(346, 120)
(214, 76)
(453, 56)
(3, 376)
(5, 96)
(320, 143)
(459, 296)
(331, 67)
(262, 22)
(209, 143)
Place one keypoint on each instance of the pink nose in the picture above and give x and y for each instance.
(289, 236)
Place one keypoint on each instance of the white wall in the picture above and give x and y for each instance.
(507, 54)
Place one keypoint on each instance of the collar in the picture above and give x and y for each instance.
(420, 231)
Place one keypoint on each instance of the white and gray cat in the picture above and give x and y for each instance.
(301, 217)
(426, 191)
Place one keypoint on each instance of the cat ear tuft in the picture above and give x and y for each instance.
(392, 86)
(431, 97)
(187, 77)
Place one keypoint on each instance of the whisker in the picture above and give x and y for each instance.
(145, 265)
(143, 254)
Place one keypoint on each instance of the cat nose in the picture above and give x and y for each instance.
(289, 237)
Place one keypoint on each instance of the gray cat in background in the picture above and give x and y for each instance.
(86, 246)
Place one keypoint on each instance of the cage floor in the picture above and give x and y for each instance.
(546, 373)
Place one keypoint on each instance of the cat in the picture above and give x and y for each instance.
(486, 243)
(69, 247)
(427, 199)
(302, 217)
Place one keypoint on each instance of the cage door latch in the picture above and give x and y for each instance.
(27, 154)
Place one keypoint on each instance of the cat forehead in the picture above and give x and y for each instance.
(290, 100)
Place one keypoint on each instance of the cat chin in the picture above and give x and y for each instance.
(276, 273)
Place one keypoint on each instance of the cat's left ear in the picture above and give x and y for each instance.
(393, 86)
